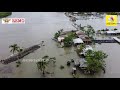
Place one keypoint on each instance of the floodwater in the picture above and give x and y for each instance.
(42, 26)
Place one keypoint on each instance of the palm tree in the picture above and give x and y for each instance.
(19, 62)
(14, 48)
(41, 65)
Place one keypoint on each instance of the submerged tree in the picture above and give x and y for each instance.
(80, 48)
(90, 31)
(95, 61)
(14, 48)
(18, 63)
(57, 34)
(67, 41)
(42, 64)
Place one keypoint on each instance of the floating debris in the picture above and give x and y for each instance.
(62, 67)
(68, 63)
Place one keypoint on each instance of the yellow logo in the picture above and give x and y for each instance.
(111, 20)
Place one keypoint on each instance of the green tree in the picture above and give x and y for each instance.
(14, 48)
(5, 14)
(67, 41)
(90, 31)
(95, 61)
(80, 48)
(57, 34)
(18, 63)
(42, 65)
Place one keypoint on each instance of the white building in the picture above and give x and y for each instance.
(113, 32)
(60, 39)
(78, 41)
(88, 47)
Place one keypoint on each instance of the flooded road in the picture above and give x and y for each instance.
(42, 26)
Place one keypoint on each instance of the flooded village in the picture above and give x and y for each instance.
(76, 45)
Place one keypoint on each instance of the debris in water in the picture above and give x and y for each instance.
(62, 67)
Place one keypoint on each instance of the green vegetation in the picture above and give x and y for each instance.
(95, 61)
(14, 48)
(80, 48)
(5, 14)
(18, 63)
(69, 39)
(57, 34)
(112, 13)
(90, 32)
(115, 29)
(42, 65)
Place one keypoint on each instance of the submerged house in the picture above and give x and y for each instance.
(61, 38)
(78, 41)
(85, 39)
(81, 63)
(88, 47)
(79, 33)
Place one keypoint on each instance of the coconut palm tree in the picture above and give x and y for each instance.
(14, 48)
(19, 62)
(41, 65)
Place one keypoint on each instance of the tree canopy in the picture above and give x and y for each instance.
(95, 61)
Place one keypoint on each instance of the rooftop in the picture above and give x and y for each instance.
(77, 41)
(113, 32)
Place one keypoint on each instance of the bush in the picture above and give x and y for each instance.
(5, 14)
(69, 40)
(115, 28)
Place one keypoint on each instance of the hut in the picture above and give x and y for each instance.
(79, 33)
(61, 38)
(88, 47)
(78, 41)
(85, 39)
